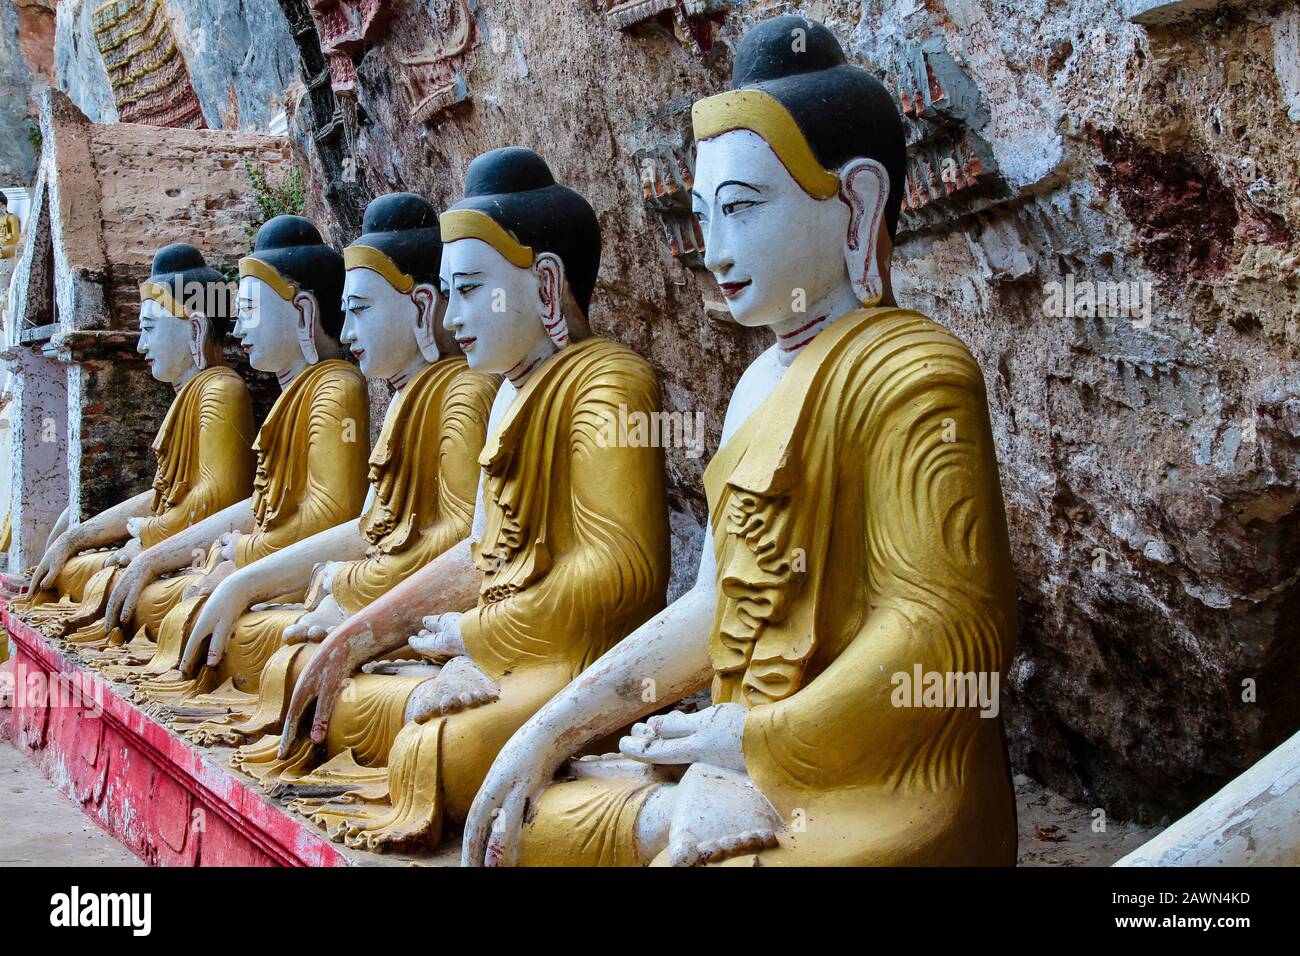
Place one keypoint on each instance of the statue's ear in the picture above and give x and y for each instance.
(549, 270)
(864, 185)
(199, 328)
(308, 323)
(428, 320)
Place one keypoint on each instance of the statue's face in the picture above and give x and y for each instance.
(378, 325)
(774, 249)
(165, 343)
(267, 327)
(493, 306)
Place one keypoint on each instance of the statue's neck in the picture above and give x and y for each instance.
(525, 367)
(794, 332)
(212, 357)
(185, 379)
(293, 371)
(326, 348)
(400, 380)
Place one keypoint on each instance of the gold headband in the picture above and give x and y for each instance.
(367, 257)
(472, 224)
(153, 292)
(257, 269)
(761, 113)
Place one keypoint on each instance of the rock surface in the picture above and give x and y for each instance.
(17, 123)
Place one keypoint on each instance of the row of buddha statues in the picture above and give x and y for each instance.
(466, 628)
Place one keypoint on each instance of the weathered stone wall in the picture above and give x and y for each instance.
(159, 186)
(239, 57)
(17, 156)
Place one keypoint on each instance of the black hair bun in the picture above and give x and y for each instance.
(514, 186)
(510, 169)
(182, 270)
(843, 111)
(404, 227)
(784, 46)
(293, 247)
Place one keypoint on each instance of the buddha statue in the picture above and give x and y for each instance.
(10, 230)
(205, 459)
(568, 550)
(423, 478)
(857, 536)
(311, 450)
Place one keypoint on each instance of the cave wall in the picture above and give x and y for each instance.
(17, 119)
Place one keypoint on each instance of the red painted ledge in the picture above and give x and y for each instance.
(157, 794)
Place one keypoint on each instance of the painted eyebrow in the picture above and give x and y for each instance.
(466, 275)
(734, 182)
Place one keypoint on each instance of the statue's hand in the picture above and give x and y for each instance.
(522, 770)
(718, 813)
(329, 671)
(322, 583)
(128, 552)
(712, 736)
(460, 685)
(440, 640)
(216, 621)
(315, 624)
(52, 562)
(126, 593)
(229, 543)
(209, 582)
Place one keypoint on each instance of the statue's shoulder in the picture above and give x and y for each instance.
(338, 374)
(911, 343)
(223, 386)
(467, 380)
(606, 356)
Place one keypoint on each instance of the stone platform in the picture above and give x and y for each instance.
(170, 802)
(164, 799)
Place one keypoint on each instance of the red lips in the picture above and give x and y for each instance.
(733, 289)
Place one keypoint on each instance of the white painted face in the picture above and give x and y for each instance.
(165, 343)
(493, 306)
(774, 249)
(379, 325)
(267, 327)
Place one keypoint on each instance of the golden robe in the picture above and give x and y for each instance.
(575, 557)
(310, 476)
(859, 530)
(424, 472)
(205, 464)
(10, 232)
